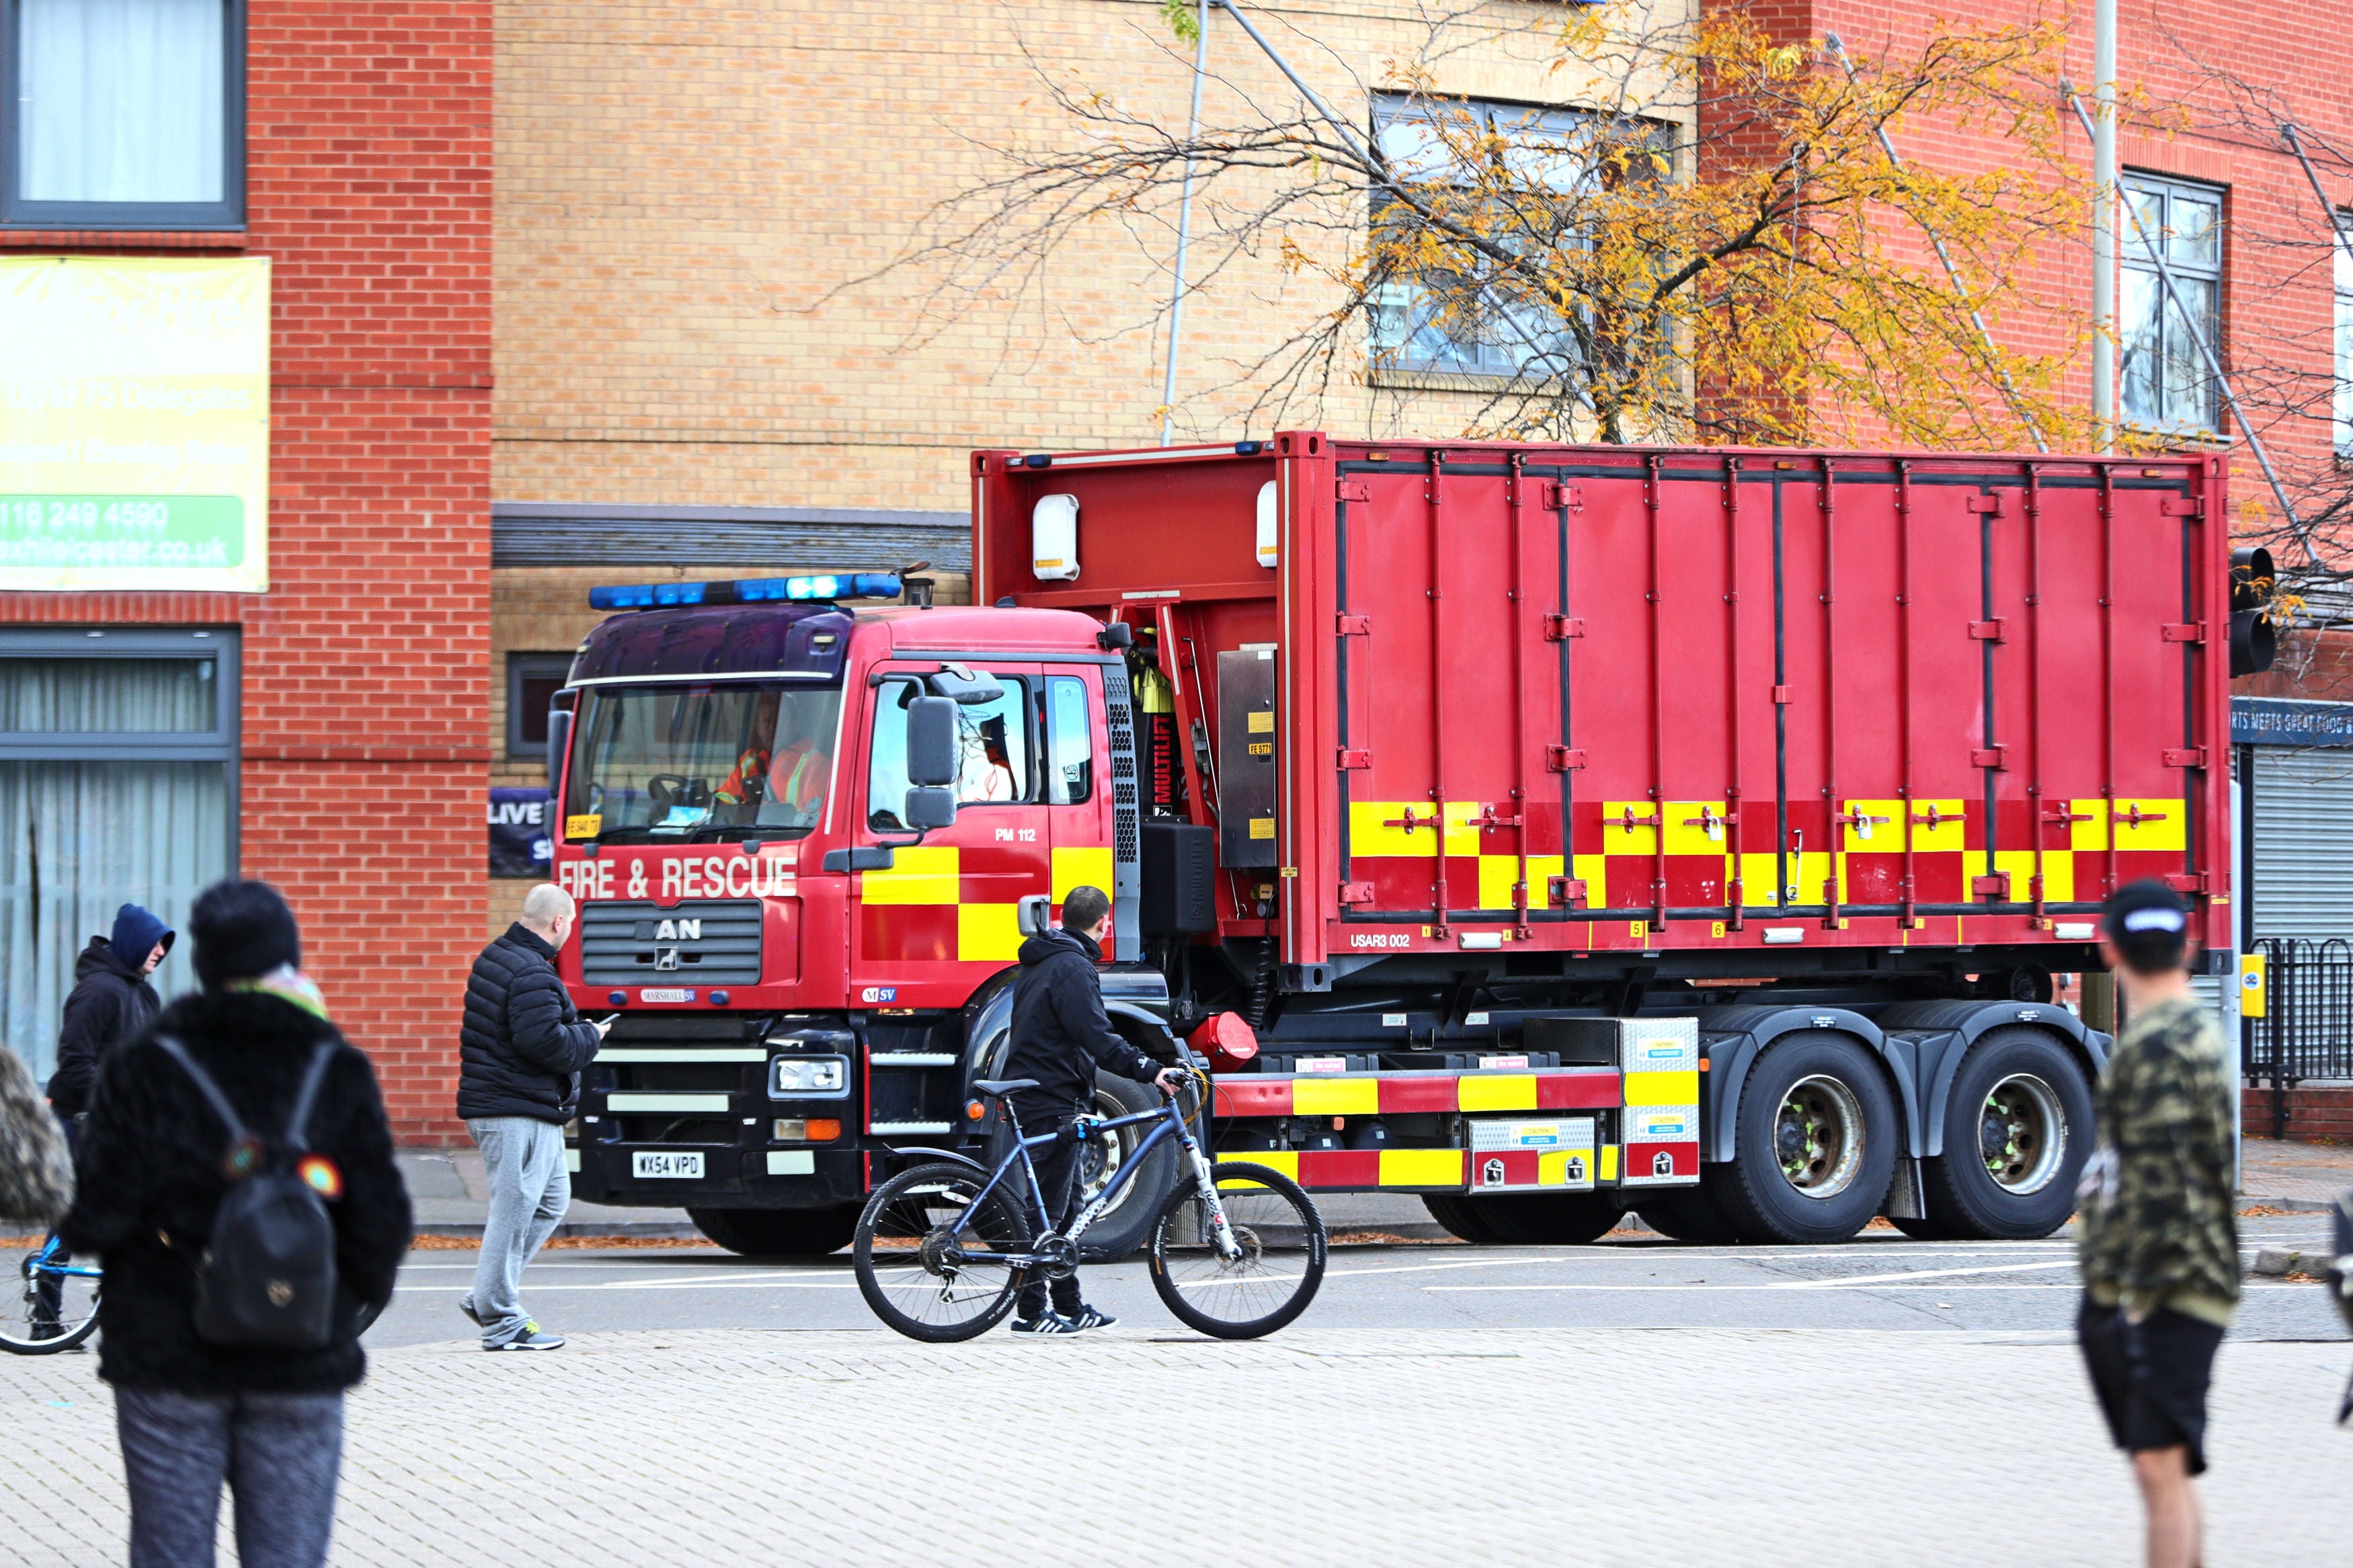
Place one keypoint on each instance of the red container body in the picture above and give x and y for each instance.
(1623, 701)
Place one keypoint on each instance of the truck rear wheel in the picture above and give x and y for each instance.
(1466, 1219)
(777, 1233)
(1688, 1214)
(2018, 1127)
(1814, 1142)
(1549, 1219)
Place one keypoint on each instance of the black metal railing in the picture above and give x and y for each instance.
(2307, 1029)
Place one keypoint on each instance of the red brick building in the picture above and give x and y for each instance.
(341, 751)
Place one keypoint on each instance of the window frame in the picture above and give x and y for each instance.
(225, 214)
(2132, 257)
(1398, 294)
(220, 744)
(521, 664)
(1030, 688)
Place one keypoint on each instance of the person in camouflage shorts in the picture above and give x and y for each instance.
(2159, 1245)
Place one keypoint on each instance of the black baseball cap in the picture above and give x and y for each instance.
(2144, 906)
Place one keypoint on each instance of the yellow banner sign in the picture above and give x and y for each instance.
(134, 422)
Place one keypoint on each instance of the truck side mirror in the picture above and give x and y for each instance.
(933, 748)
(929, 808)
(559, 740)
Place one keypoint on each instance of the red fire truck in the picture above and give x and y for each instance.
(1546, 832)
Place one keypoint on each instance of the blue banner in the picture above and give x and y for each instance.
(519, 832)
(2281, 721)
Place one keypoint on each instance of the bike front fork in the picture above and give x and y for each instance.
(1222, 1234)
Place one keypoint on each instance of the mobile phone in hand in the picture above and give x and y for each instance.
(606, 1019)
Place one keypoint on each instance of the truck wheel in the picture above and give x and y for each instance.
(777, 1233)
(1814, 1142)
(1688, 1214)
(1549, 1219)
(1120, 1231)
(1465, 1219)
(2018, 1127)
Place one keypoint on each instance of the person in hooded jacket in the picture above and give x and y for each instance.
(152, 1170)
(112, 1000)
(1061, 1035)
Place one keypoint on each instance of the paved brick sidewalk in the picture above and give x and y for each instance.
(1598, 1447)
(2297, 1173)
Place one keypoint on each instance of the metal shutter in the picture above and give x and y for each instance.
(2302, 847)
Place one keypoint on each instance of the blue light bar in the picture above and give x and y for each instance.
(817, 587)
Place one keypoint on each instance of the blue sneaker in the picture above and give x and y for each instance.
(1087, 1317)
(1049, 1323)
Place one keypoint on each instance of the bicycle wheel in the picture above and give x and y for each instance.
(931, 1264)
(1281, 1263)
(45, 1308)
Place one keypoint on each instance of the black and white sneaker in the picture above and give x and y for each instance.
(1048, 1323)
(1087, 1317)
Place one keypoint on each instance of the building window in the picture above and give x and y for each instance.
(1473, 318)
(118, 784)
(2166, 383)
(122, 113)
(533, 681)
(2344, 401)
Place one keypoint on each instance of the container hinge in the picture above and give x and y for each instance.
(2181, 506)
(1780, 697)
(2185, 631)
(1987, 757)
(1360, 758)
(1990, 505)
(1356, 627)
(1562, 759)
(1560, 629)
(1565, 892)
(1986, 631)
(1564, 498)
(1995, 886)
(2186, 882)
(2186, 757)
(1355, 892)
(1353, 489)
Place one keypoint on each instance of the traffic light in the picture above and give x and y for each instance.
(2252, 641)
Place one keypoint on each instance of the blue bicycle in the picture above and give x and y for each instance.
(53, 1305)
(943, 1251)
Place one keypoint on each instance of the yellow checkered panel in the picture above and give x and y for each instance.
(989, 933)
(1082, 866)
(1376, 831)
(921, 874)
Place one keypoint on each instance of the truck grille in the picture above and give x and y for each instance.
(707, 942)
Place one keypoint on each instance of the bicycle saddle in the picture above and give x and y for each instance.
(995, 1087)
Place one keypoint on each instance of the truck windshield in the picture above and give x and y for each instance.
(701, 760)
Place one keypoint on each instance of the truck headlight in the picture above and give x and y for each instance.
(826, 1077)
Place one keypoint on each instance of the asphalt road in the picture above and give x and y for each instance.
(1882, 1280)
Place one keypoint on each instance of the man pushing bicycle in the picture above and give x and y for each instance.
(1061, 1035)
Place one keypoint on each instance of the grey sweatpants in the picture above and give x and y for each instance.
(278, 1452)
(530, 1190)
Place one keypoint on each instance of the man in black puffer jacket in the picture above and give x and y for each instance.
(522, 1048)
(153, 1169)
(1061, 1035)
(112, 1000)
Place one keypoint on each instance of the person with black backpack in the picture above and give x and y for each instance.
(236, 1177)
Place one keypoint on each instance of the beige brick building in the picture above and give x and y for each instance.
(690, 377)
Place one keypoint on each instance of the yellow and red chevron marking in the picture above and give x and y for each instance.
(1361, 1169)
(1371, 1094)
(938, 903)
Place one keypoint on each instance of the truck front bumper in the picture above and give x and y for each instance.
(731, 1178)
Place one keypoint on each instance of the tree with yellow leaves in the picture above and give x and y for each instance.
(1715, 243)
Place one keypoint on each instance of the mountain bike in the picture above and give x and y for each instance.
(943, 1249)
(51, 1306)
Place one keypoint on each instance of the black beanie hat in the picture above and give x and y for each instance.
(242, 931)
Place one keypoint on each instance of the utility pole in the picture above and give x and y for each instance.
(2103, 221)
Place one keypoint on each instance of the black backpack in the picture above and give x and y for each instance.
(268, 1273)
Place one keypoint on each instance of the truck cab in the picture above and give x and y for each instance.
(808, 838)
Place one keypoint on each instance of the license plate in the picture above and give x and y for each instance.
(659, 994)
(687, 1164)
